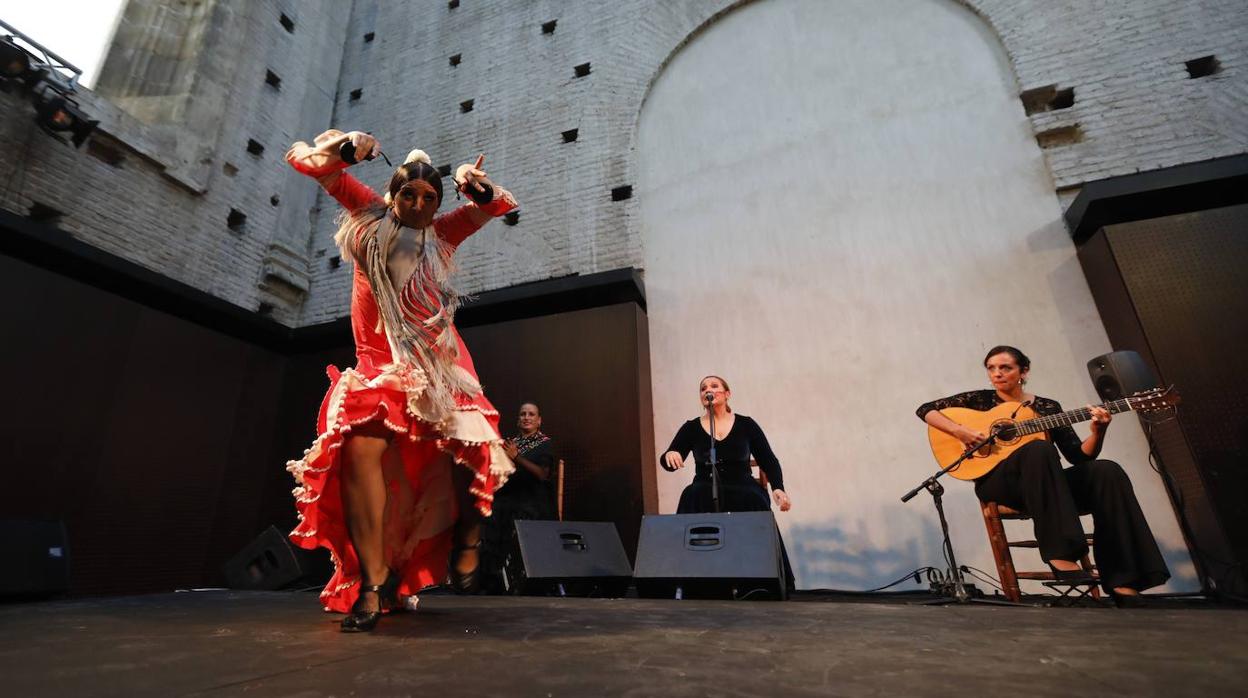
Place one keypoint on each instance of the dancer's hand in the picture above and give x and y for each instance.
(509, 447)
(674, 460)
(366, 147)
(472, 176)
(782, 500)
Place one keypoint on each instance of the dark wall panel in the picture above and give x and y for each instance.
(585, 370)
(143, 432)
(1175, 289)
(161, 440)
(301, 396)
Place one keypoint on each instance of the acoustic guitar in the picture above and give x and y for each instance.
(1014, 424)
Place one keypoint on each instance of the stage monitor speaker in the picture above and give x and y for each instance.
(272, 562)
(729, 555)
(568, 558)
(36, 558)
(1119, 374)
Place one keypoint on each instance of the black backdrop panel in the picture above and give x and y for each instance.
(160, 439)
(143, 432)
(586, 370)
(1175, 289)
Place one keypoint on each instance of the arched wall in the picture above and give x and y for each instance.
(842, 206)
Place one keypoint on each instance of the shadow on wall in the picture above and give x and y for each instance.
(1182, 571)
(832, 556)
(836, 555)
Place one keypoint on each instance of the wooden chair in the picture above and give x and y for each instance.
(760, 476)
(559, 490)
(993, 515)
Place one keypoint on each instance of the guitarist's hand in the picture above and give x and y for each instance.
(1100, 418)
(969, 437)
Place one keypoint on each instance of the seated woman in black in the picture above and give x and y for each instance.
(737, 437)
(1032, 480)
(528, 493)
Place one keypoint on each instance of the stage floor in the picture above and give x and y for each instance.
(280, 644)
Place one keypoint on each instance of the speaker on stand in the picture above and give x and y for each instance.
(1121, 374)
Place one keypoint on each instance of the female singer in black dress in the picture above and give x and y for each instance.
(737, 437)
(1032, 480)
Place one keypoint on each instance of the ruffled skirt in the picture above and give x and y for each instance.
(422, 506)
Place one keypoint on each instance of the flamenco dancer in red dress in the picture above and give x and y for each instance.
(408, 453)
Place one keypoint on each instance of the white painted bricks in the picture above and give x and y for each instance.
(1134, 103)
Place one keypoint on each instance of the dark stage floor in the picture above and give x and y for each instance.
(280, 644)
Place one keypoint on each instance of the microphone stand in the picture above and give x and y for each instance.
(960, 594)
(710, 410)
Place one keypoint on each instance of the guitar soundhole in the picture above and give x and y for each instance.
(1006, 431)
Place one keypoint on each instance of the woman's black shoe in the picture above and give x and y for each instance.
(389, 594)
(361, 620)
(1128, 600)
(465, 582)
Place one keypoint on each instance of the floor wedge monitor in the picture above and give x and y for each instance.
(727, 556)
(567, 558)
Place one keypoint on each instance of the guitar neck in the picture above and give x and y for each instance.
(1065, 419)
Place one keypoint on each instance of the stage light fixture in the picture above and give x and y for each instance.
(48, 81)
(14, 61)
(61, 115)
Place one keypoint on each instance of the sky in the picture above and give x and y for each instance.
(76, 30)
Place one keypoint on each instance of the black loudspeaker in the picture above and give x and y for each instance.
(1119, 374)
(731, 555)
(271, 562)
(568, 558)
(36, 558)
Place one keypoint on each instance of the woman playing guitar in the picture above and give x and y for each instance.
(1031, 479)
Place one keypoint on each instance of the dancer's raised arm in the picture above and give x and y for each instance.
(456, 226)
(321, 161)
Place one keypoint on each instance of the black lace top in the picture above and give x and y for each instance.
(745, 438)
(1065, 438)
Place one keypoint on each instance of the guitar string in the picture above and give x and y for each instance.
(1069, 417)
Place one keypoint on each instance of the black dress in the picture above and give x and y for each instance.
(738, 491)
(1032, 480)
(524, 496)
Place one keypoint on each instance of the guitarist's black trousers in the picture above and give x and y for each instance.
(1032, 480)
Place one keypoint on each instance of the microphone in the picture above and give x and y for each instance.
(708, 397)
(1021, 406)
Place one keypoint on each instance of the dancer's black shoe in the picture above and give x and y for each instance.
(361, 619)
(465, 582)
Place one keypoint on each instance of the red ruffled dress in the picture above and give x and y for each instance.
(422, 506)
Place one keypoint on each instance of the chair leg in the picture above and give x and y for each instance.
(1001, 551)
(1086, 564)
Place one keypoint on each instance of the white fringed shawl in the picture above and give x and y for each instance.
(409, 272)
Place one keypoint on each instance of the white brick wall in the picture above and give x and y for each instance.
(1135, 105)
